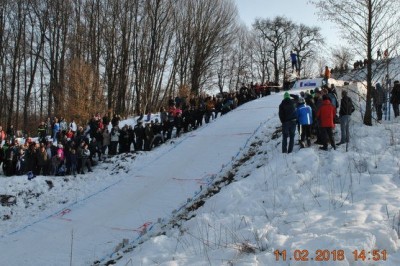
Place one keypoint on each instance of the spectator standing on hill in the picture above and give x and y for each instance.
(106, 120)
(49, 127)
(85, 153)
(11, 133)
(395, 98)
(63, 125)
(106, 141)
(124, 141)
(140, 135)
(149, 136)
(304, 116)
(114, 140)
(73, 161)
(94, 149)
(378, 97)
(42, 160)
(73, 126)
(41, 131)
(326, 114)
(56, 129)
(288, 117)
(346, 109)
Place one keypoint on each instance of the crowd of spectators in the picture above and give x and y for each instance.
(65, 148)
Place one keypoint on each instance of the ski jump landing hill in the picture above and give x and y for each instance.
(151, 188)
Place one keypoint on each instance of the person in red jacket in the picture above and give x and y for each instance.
(327, 76)
(326, 114)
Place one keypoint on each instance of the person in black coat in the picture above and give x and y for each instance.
(379, 98)
(288, 117)
(346, 109)
(395, 98)
(139, 135)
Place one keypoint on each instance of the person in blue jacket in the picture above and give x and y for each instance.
(305, 119)
(293, 58)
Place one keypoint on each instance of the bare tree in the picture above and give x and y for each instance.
(342, 58)
(368, 24)
(214, 24)
(36, 42)
(306, 39)
(18, 16)
(276, 32)
(134, 53)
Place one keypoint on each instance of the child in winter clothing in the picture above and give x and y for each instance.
(85, 153)
(305, 119)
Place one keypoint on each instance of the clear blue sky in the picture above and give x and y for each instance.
(298, 11)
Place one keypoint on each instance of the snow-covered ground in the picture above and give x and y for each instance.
(221, 195)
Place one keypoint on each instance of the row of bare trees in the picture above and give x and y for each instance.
(73, 58)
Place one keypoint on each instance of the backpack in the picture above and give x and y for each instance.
(31, 175)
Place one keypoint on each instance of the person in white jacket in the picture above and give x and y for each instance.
(73, 126)
(114, 141)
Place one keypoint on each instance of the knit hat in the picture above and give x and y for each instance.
(286, 95)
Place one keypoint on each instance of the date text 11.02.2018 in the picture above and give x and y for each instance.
(330, 255)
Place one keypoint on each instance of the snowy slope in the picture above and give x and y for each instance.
(220, 195)
(313, 205)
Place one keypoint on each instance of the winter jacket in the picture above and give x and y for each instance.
(30, 160)
(163, 116)
(304, 114)
(149, 133)
(60, 153)
(378, 95)
(139, 132)
(210, 105)
(346, 106)
(73, 126)
(106, 138)
(85, 153)
(293, 57)
(73, 159)
(10, 133)
(114, 135)
(334, 100)
(41, 158)
(124, 137)
(287, 111)
(326, 114)
(41, 132)
(395, 98)
(56, 127)
(327, 73)
(63, 125)
(178, 121)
